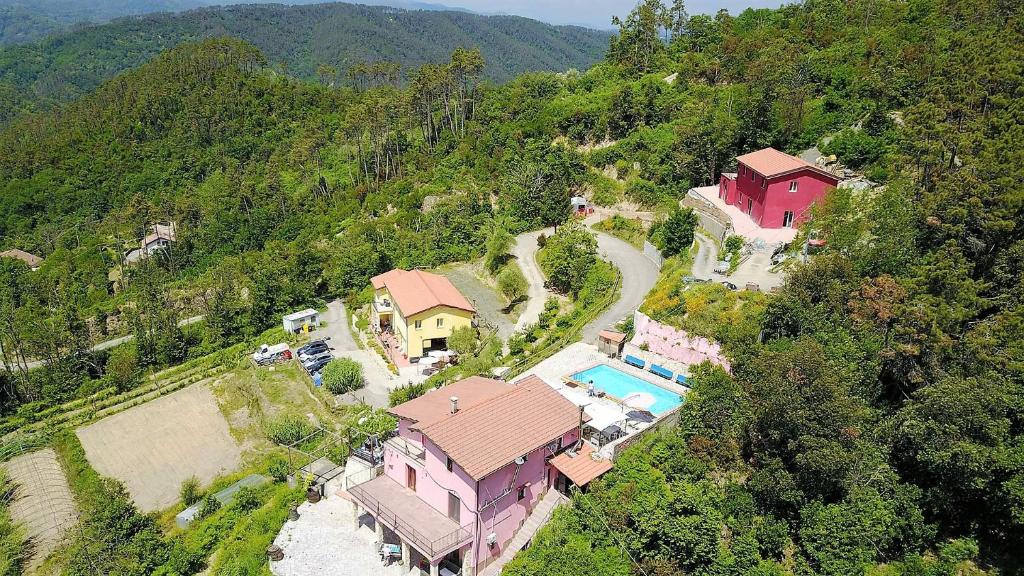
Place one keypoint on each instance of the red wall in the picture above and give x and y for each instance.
(771, 200)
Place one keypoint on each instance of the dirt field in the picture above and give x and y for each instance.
(42, 501)
(152, 448)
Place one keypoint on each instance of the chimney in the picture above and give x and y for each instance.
(455, 404)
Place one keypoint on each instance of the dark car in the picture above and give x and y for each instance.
(312, 349)
(730, 286)
(317, 365)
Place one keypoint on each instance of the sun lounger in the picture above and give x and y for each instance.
(658, 370)
(634, 361)
(681, 379)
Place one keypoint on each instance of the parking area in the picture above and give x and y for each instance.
(154, 447)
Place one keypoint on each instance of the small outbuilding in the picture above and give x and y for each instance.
(303, 320)
(33, 261)
(611, 342)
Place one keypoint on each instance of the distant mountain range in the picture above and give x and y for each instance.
(65, 65)
(27, 20)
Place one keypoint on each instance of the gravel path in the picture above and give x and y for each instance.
(488, 304)
(525, 251)
(704, 262)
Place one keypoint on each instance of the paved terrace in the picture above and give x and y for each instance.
(398, 508)
(741, 223)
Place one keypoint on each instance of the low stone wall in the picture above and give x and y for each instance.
(712, 219)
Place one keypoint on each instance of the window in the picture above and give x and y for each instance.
(410, 477)
(787, 219)
(440, 322)
(764, 184)
(750, 207)
(522, 493)
(448, 463)
(419, 324)
(792, 186)
(753, 177)
(454, 507)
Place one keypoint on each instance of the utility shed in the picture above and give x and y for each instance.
(296, 321)
(611, 342)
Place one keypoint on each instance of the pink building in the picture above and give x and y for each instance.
(773, 188)
(467, 467)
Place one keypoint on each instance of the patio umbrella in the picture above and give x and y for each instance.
(640, 416)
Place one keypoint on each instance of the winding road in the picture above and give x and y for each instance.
(639, 274)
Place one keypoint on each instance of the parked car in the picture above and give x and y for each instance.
(317, 366)
(313, 348)
(722, 267)
(730, 285)
(779, 258)
(309, 360)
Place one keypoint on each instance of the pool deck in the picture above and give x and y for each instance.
(579, 357)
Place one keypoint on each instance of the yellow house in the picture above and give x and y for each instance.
(421, 309)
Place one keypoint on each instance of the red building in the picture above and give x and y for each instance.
(773, 188)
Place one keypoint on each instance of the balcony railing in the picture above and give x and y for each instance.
(432, 547)
(410, 448)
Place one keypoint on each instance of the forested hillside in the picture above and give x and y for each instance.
(297, 40)
(873, 422)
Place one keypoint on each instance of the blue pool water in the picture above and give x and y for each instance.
(619, 384)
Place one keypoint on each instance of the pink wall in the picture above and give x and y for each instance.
(769, 199)
(434, 482)
(727, 189)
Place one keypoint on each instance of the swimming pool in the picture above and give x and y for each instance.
(620, 384)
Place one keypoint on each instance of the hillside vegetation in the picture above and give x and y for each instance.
(874, 419)
(297, 40)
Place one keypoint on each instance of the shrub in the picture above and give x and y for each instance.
(463, 340)
(343, 375)
(408, 392)
(568, 256)
(289, 429)
(190, 491)
(209, 507)
(123, 368)
(246, 499)
(734, 243)
(278, 469)
(678, 232)
(512, 283)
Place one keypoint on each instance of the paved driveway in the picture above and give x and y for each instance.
(639, 274)
(379, 380)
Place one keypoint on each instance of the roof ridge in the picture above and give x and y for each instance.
(512, 389)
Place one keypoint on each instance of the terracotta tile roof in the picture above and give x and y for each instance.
(31, 259)
(583, 467)
(160, 232)
(612, 336)
(416, 291)
(770, 163)
(435, 406)
(486, 437)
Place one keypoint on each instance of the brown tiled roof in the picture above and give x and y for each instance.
(583, 467)
(30, 259)
(436, 405)
(492, 434)
(160, 232)
(612, 335)
(416, 291)
(770, 163)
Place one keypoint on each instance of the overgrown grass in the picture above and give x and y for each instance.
(629, 230)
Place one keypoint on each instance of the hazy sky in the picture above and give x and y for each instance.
(595, 13)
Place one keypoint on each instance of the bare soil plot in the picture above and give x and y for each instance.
(42, 501)
(153, 447)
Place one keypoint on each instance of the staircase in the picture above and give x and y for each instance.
(537, 519)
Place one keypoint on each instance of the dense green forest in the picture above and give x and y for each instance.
(872, 422)
(319, 42)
